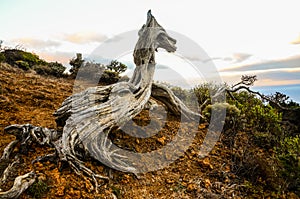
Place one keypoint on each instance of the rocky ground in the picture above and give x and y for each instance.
(29, 98)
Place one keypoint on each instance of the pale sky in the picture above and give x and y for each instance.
(259, 37)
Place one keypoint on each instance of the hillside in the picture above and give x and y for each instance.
(228, 172)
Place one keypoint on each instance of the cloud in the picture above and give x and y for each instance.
(84, 37)
(115, 39)
(290, 62)
(280, 75)
(161, 67)
(278, 78)
(36, 43)
(240, 57)
(276, 72)
(234, 58)
(296, 41)
(266, 77)
(62, 57)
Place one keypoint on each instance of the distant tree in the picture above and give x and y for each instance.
(76, 63)
(57, 68)
(53, 68)
(2, 57)
(116, 66)
(279, 98)
(107, 74)
(1, 42)
(112, 72)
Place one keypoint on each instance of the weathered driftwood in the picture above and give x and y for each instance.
(89, 116)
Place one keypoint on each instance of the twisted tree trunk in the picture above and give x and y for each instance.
(89, 116)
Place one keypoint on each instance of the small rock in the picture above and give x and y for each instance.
(137, 141)
(67, 197)
(207, 183)
(88, 186)
(42, 177)
(227, 168)
(75, 193)
(170, 181)
(202, 126)
(100, 169)
(206, 163)
(60, 191)
(191, 187)
(227, 180)
(161, 140)
(137, 148)
(184, 184)
(126, 179)
(185, 178)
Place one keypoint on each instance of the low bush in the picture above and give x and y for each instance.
(38, 189)
(232, 115)
(22, 64)
(26, 61)
(2, 57)
(109, 77)
(14, 55)
(53, 69)
(105, 74)
(57, 69)
(288, 154)
(260, 120)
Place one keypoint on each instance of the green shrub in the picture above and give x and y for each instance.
(38, 189)
(116, 66)
(252, 129)
(267, 131)
(57, 69)
(181, 93)
(54, 69)
(13, 55)
(26, 60)
(202, 92)
(112, 72)
(42, 69)
(2, 57)
(232, 114)
(188, 97)
(76, 63)
(31, 58)
(260, 120)
(90, 71)
(22, 64)
(108, 74)
(109, 77)
(288, 154)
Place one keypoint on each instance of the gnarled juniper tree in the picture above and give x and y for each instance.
(89, 116)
